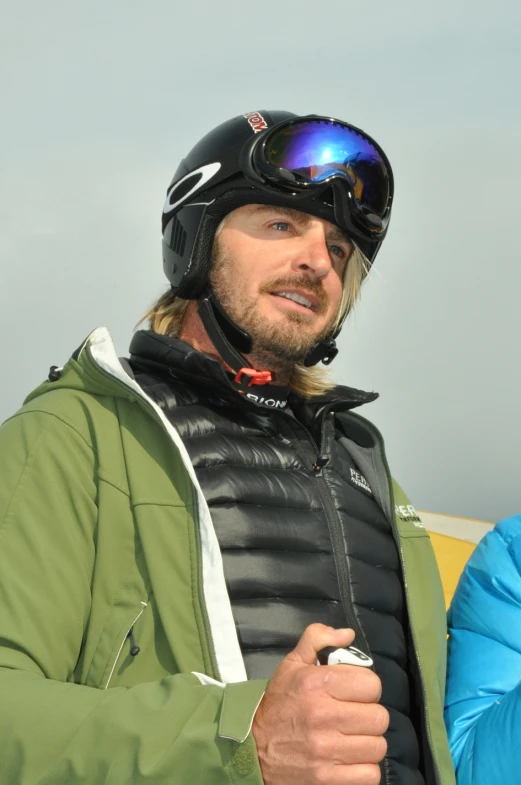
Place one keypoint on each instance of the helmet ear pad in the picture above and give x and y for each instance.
(189, 237)
(187, 250)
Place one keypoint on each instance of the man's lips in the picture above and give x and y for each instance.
(302, 298)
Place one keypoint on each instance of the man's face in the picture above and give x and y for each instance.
(278, 273)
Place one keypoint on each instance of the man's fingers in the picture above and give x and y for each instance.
(352, 683)
(335, 752)
(357, 749)
(317, 637)
(358, 774)
(358, 719)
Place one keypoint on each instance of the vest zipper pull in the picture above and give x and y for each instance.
(322, 461)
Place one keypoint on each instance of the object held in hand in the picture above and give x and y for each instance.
(349, 655)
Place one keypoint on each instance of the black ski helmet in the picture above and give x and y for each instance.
(198, 198)
(210, 183)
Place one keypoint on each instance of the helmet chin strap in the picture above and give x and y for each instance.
(227, 338)
(324, 351)
(232, 343)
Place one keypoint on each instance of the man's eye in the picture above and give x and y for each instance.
(281, 226)
(338, 251)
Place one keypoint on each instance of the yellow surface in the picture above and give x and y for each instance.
(452, 554)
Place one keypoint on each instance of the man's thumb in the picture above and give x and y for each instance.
(317, 637)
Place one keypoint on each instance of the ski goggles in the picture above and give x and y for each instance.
(311, 154)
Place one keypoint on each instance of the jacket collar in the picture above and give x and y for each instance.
(178, 360)
(173, 358)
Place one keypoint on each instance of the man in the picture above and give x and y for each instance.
(185, 532)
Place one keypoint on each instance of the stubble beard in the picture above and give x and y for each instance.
(279, 344)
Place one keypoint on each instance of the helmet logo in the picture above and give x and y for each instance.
(256, 120)
(198, 178)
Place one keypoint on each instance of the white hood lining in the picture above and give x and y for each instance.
(222, 624)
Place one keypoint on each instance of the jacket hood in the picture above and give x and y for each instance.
(93, 368)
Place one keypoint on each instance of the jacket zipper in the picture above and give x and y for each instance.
(144, 401)
(397, 539)
(144, 605)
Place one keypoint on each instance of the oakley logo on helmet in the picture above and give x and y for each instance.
(257, 121)
(182, 190)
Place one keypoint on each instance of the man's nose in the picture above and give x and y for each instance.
(314, 258)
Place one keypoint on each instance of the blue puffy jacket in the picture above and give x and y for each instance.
(483, 703)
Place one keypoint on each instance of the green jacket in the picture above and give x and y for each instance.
(103, 528)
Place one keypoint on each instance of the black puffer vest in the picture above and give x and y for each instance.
(302, 537)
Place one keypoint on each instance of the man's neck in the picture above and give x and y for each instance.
(194, 333)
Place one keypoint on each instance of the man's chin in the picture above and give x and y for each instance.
(296, 332)
(290, 345)
(285, 337)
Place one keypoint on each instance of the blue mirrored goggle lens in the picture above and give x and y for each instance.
(318, 149)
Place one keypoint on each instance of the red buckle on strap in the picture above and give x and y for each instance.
(257, 377)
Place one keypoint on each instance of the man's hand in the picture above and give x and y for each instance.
(321, 725)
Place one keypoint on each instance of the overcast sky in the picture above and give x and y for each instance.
(100, 100)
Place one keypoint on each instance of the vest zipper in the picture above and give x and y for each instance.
(394, 528)
(337, 540)
(313, 458)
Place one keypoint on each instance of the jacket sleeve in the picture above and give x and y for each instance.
(483, 701)
(52, 730)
